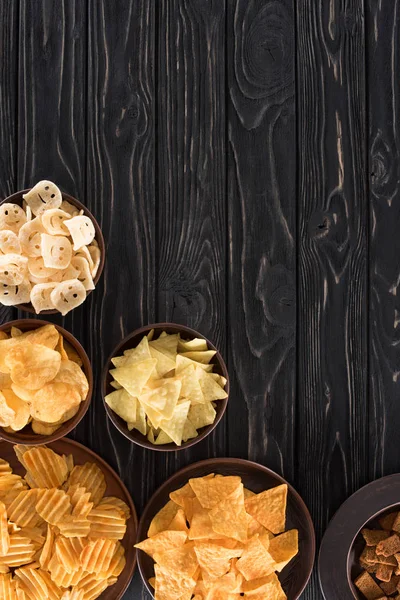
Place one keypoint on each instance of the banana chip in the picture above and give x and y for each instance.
(43, 196)
(81, 230)
(53, 221)
(12, 217)
(13, 269)
(9, 242)
(68, 295)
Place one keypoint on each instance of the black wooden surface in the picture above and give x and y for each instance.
(242, 158)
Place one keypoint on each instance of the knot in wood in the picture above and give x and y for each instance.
(275, 289)
(319, 225)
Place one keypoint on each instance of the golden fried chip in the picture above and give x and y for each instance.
(269, 508)
(20, 552)
(32, 365)
(68, 551)
(201, 415)
(50, 403)
(35, 534)
(90, 477)
(283, 548)
(53, 591)
(161, 542)
(91, 586)
(215, 558)
(47, 550)
(20, 408)
(60, 576)
(181, 559)
(43, 428)
(200, 522)
(80, 501)
(72, 353)
(71, 526)
(33, 582)
(134, 376)
(5, 468)
(170, 584)
(112, 501)
(7, 414)
(117, 563)
(107, 522)
(210, 491)
(46, 467)
(4, 535)
(72, 374)
(163, 518)
(229, 518)
(22, 509)
(97, 554)
(264, 587)
(53, 505)
(175, 425)
(46, 336)
(60, 348)
(255, 561)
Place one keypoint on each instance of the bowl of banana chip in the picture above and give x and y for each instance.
(165, 387)
(51, 250)
(46, 382)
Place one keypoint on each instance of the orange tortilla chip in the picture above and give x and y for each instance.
(163, 518)
(255, 562)
(212, 491)
(181, 560)
(162, 542)
(229, 517)
(215, 558)
(269, 508)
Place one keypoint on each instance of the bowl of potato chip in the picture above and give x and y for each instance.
(51, 250)
(165, 387)
(225, 528)
(46, 382)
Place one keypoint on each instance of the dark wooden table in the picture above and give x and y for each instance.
(242, 157)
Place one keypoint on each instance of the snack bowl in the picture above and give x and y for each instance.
(131, 341)
(256, 478)
(17, 198)
(343, 543)
(26, 435)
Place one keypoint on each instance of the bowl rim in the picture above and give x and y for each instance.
(214, 463)
(358, 509)
(16, 198)
(144, 443)
(84, 405)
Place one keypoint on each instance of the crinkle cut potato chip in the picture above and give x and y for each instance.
(212, 554)
(165, 388)
(54, 542)
(58, 245)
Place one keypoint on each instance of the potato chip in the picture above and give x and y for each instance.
(269, 508)
(162, 542)
(47, 550)
(20, 552)
(91, 586)
(12, 217)
(112, 501)
(9, 242)
(46, 467)
(43, 196)
(90, 477)
(53, 221)
(20, 408)
(7, 590)
(73, 595)
(22, 509)
(72, 374)
(60, 576)
(46, 405)
(53, 505)
(53, 591)
(35, 534)
(81, 230)
(32, 366)
(117, 563)
(30, 236)
(97, 554)
(134, 376)
(4, 535)
(68, 551)
(13, 269)
(5, 468)
(72, 353)
(43, 428)
(80, 501)
(67, 295)
(7, 414)
(74, 527)
(33, 581)
(107, 522)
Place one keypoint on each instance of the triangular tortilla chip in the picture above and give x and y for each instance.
(210, 388)
(134, 377)
(163, 398)
(167, 344)
(269, 508)
(255, 561)
(201, 357)
(191, 389)
(229, 517)
(201, 415)
(182, 362)
(212, 491)
(123, 404)
(164, 363)
(195, 345)
(175, 425)
(162, 542)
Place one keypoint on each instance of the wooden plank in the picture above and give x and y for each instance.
(383, 48)
(332, 422)
(191, 241)
(120, 190)
(262, 231)
(8, 112)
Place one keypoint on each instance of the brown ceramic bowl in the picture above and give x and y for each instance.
(115, 487)
(27, 436)
(342, 543)
(131, 341)
(17, 199)
(257, 478)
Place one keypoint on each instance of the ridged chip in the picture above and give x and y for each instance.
(74, 526)
(46, 467)
(92, 587)
(60, 576)
(4, 535)
(73, 595)
(80, 501)
(20, 552)
(7, 589)
(53, 591)
(68, 551)
(47, 550)
(107, 522)
(22, 510)
(33, 583)
(5, 468)
(53, 505)
(91, 477)
(117, 563)
(35, 534)
(96, 555)
(112, 501)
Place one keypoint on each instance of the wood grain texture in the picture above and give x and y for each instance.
(262, 231)
(384, 177)
(8, 110)
(120, 191)
(332, 448)
(191, 241)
